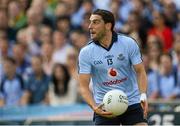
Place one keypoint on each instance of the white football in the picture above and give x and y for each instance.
(115, 101)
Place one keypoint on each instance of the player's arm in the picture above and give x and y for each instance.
(142, 84)
(85, 68)
(136, 60)
(141, 77)
(84, 76)
(84, 80)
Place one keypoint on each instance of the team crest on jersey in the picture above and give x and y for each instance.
(120, 57)
(112, 72)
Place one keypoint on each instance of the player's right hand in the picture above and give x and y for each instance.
(100, 111)
(144, 104)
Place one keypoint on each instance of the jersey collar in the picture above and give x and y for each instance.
(114, 39)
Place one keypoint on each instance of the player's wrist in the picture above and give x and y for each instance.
(94, 107)
(143, 97)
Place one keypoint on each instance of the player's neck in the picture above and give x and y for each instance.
(106, 40)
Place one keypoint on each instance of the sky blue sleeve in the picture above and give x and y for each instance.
(135, 54)
(84, 62)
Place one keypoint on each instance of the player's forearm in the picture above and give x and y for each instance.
(84, 80)
(141, 77)
(142, 81)
(87, 95)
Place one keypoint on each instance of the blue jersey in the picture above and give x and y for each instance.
(112, 68)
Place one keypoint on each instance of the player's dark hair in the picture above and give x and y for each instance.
(107, 16)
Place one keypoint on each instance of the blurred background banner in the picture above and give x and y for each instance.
(43, 113)
(72, 114)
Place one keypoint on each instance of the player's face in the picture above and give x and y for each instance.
(97, 27)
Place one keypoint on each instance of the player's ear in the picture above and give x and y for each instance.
(108, 26)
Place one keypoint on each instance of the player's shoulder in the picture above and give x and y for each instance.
(88, 47)
(126, 39)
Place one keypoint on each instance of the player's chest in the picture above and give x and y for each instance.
(108, 59)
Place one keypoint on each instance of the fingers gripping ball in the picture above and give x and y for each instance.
(115, 101)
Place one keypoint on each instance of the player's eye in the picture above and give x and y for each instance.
(96, 21)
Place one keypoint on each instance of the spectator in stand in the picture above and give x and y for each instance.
(177, 28)
(21, 38)
(24, 5)
(170, 13)
(71, 63)
(45, 34)
(152, 91)
(85, 23)
(50, 8)
(140, 8)
(73, 5)
(12, 84)
(135, 28)
(62, 91)
(61, 46)
(175, 43)
(72, 60)
(61, 9)
(5, 51)
(177, 37)
(4, 4)
(86, 7)
(47, 52)
(76, 41)
(63, 24)
(38, 7)
(35, 14)
(177, 65)
(19, 55)
(37, 84)
(5, 47)
(167, 78)
(32, 40)
(17, 19)
(4, 25)
(161, 30)
(154, 48)
(102, 5)
(114, 7)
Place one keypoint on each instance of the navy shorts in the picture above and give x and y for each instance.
(133, 115)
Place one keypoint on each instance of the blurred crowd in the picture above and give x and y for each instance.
(40, 41)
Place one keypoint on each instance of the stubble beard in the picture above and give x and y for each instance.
(99, 37)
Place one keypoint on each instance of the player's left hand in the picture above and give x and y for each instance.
(144, 104)
(100, 111)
